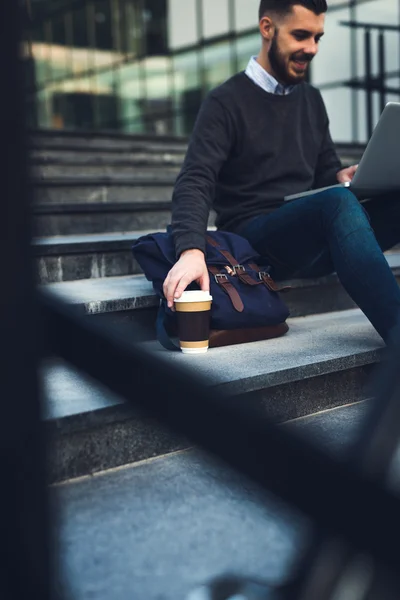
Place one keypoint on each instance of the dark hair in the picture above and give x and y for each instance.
(283, 7)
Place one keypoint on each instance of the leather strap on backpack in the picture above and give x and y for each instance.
(268, 281)
(238, 270)
(228, 288)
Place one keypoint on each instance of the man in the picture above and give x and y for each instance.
(262, 135)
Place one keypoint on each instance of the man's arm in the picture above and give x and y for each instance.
(194, 192)
(195, 186)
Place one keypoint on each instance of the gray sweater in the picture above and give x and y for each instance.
(247, 151)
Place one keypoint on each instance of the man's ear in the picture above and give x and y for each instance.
(267, 28)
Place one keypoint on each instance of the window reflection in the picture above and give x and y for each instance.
(139, 65)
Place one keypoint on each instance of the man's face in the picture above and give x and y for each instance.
(295, 44)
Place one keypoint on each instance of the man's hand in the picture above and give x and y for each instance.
(190, 267)
(346, 175)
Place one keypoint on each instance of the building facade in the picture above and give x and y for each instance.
(144, 66)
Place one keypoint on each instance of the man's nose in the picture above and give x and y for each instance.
(311, 48)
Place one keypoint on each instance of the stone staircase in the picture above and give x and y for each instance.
(94, 195)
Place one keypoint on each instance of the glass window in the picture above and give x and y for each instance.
(338, 106)
(333, 62)
(130, 97)
(187, 93)
(215, 17)
(159, 103)
(246, 14)
(182, 12)
(155, 27)
(217, 64)
(246, 47)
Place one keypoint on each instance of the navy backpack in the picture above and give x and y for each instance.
(246, 306)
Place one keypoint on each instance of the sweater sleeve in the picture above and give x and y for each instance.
(328, 161)
(194, 190)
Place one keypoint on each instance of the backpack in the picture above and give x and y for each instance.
(246, 305)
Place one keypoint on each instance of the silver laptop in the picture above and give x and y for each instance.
(379, 168)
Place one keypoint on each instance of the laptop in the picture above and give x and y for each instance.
(379, 168)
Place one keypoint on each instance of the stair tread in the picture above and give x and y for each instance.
(315, 345)
(88, 238)
(183, 503)
(106, 179)
(95, 294)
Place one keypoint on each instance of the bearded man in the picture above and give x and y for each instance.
(262, 135)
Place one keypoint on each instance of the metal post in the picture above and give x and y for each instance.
(233, 33)
(382, 61)
(24, 554)
(353, 66)
(368, 78)
(200, 51)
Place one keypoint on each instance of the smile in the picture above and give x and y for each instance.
(301, 65)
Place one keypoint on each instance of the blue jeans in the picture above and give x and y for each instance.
(332, 232)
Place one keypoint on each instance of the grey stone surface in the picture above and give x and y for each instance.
(133, 217)
(103, 294)
(107, 142)
(69, 258)
(158, 529)
(48, 171)
(57, 156)
(67, 392)
(133, 178)
(97, 192)
(69, 267)
(80, 243)
(335, 429)
(315, 345)
(324, 362)
(308, 296)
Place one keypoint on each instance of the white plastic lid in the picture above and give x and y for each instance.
(194, 296)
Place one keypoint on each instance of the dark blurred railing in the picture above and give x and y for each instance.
(371, 83)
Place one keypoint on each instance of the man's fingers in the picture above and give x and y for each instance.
(171, 290)
(182, 285)
(204, 282)
(166, 284)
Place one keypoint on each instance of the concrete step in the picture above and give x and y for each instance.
(60, 157)
(104, 188)
(105, 141)
(68, 258)
(160, 528)
(71, 218)
(323, 362)
(55, 169)
(121, 297)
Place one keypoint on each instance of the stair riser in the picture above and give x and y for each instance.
(140, 171)
(75, 224)
(302, 303)
(110, 441)
(62, 157)
(98, 145)
(102, 193)
(50, 269)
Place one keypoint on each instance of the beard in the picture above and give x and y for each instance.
(280, 65)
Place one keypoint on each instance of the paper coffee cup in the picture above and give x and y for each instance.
(193, 310)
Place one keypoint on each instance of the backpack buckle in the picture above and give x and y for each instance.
(219, 277)
(239, 269)
(263, 274)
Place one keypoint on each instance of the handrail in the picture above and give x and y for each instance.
(377, 26)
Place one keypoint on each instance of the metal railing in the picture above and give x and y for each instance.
(373, 83)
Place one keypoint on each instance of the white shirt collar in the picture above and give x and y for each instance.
(265, 80)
